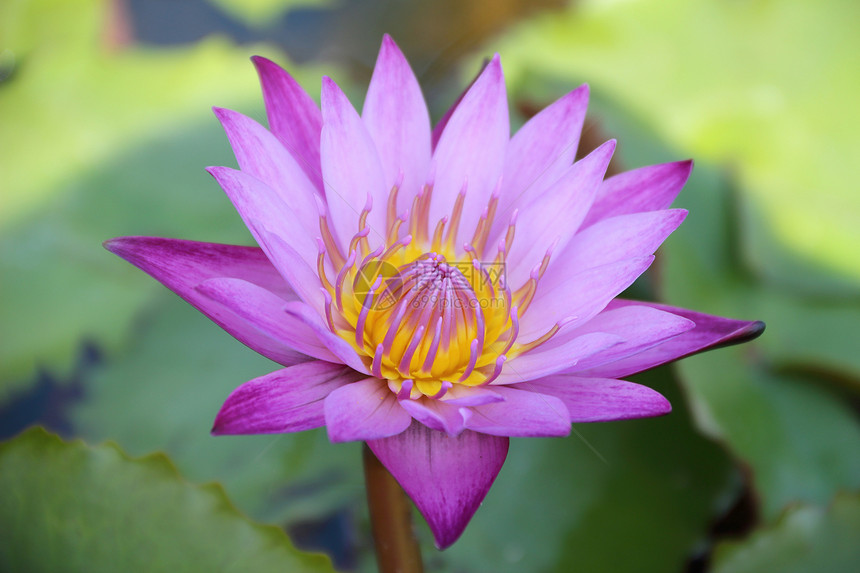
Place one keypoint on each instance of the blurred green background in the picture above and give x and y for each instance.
(105, 128)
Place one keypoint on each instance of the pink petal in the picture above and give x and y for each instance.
(447, 477)
(546, 359)
(577, 296)
(294, 118)
(446, 117)
(601, 399)
(335, 344)
(639, 327)
(259, 206)
(351, 169)
(710, 331)
(645, 189)
(460, 395)
(471, 150)
(183, 265)
(521, 414)
(261, 155)
(266, 311)
(616, 239)
(396, 118)
(364, 410)
(286, 400)
(293, 267)
(437, 415)
(555, 216)
(541, 152)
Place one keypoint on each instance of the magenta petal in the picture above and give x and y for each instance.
(638, 327)
(616, 239)
(601, 399)
(446, 476)
(548, 359)
(260, 154)
(397, 119)
(578, 296)
(266, 311)
(364, 410)
(294, 117)
(446, 117)
(710, 331)
(521, 414)
(460, 395)
(542, 150)
(437, 415)
(335, 344)
(471, 151)
(262, 208)
(287, 400)
(183, 265)
(648, 188)
(293, 267)
(554, 217)
(352, 171)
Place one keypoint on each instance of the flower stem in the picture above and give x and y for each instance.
(397, 549)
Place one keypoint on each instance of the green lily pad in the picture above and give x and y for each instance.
(807, 538)
(164, 393)
(68, 508)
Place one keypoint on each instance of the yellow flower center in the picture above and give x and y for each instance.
(421, 317)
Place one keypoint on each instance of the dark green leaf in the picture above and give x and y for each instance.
(807, 538)
(69, 508)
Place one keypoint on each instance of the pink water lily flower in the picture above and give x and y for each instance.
(433, 292)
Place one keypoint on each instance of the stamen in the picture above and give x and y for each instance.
(341, 276)
(525, 293)
(509, 235)
(434, 346)
(321, 267)
(394, 228)
(360, 237)
(362, 218)
(522, 348)
(365, 309)
(328, 314)
(376, 366)
(500, 361)
(403, 367)
(473, 359)
(396, 247)
(513, 331)
(436, 245)
(443, 390)
(456, 213)
(394, 324)
(362, 267)
(479, 240)
(330, 244)
(421, 212)
(501, 254)
(392, 198)
(405, 389)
